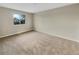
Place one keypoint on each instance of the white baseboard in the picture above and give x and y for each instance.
(15, 33)
(67, 38)
(76, 40)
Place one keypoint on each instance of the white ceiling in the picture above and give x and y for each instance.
(33, 7)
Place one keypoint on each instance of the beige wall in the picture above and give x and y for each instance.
(6, 22)
(62, 22)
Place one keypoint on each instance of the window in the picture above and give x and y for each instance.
(18, 19)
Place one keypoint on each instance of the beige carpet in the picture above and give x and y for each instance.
(35, 43)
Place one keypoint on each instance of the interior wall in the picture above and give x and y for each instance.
(62, 22)
(7, 26)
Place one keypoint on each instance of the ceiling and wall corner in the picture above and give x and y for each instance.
(33, 7)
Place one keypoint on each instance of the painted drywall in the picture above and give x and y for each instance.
(7, 26)
(62, 22)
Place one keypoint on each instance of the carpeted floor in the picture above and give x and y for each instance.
(36, 43)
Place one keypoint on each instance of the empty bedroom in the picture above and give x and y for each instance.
(39, 29)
